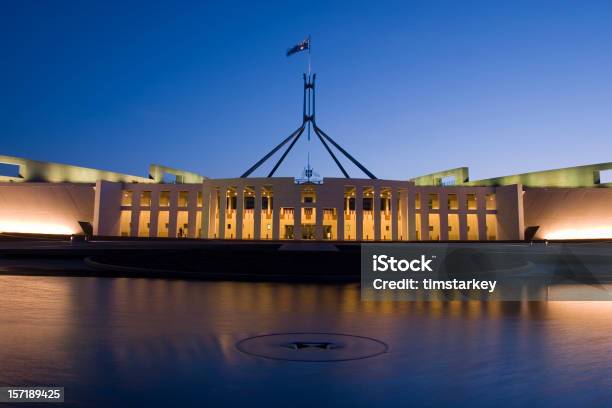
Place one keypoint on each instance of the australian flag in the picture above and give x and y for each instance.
(302, 46)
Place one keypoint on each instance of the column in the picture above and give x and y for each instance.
(154, 212)
(443, 213)
(394, 220)
(222, 209)
(172, 213)
(275, 218)
(239, 211)
(424, 196)
(319, 222)
(192, 212)
(257, 214)
(403, 209)
(481, 205)
(411, 212)
(376, 212)
(297, 216)
(340, 219)
(359, 213)
(134, 219)
(206, 207)
(462, 215)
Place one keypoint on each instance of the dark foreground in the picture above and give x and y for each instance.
(160, 343)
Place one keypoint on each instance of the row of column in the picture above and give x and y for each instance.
(172, 209)
(291, 199)
(402, 228)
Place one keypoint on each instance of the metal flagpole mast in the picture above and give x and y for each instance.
(308, 121)
(309, 71)
(309, 48)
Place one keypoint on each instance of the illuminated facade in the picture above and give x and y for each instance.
(53, 198)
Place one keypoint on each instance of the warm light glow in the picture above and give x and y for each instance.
(581, 233)
(35, 228)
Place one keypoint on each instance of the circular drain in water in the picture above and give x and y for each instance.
(312, 347)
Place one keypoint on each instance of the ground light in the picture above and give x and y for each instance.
(581, 233)
(34, 228)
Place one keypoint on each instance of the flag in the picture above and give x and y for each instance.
(304, 45)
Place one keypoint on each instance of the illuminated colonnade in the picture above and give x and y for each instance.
(280, 209)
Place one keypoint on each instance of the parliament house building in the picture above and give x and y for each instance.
(51, 198)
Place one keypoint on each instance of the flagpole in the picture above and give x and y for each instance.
(309, 71)
(309, 48)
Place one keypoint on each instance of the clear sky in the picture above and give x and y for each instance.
(407, 87)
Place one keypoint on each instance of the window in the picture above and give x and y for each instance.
(471, 201)
(472, 227)
(367, 204)
(308, 199)
(164, 199)
(351, 204)
(605, 176)
(199, 198)
(433, 202)
(434, 227)
(126, 198)
(9, 170)
(453, 227)
(163, 221)
(385, 204)
(448, 181)
(144, 223)
(417, 201)
(491, 220)
(183, 198)
(452, 202)
(145, 199)
(125, 223)
(491, 203)
(249, 202)
(182, 224)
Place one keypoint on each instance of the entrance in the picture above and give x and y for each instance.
(288, 232)
(327, 232)
(308, 231)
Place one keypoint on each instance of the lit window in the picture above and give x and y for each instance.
(145, 199)
(164, 199)
(126, 198)
(183, 198)
(433, 202)
(471, 201)
(491, 203)
(452, 202)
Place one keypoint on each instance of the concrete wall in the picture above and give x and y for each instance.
(510, 215)
(45, 207)
(107, 208)
(567, 213)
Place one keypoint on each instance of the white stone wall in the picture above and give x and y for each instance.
(51, 208)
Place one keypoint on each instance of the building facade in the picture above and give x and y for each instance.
(54, 198)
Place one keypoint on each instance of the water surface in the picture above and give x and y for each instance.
(142, 342)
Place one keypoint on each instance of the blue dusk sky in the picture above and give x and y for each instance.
(407, 87)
